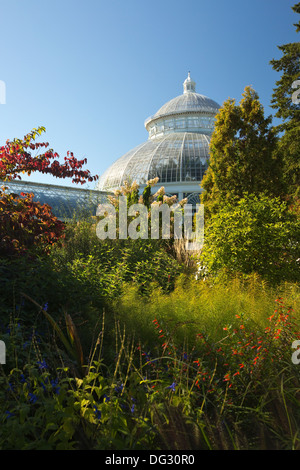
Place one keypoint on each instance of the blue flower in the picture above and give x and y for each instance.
(11, 387)
(45, 307)
(147, 355)
(97, 412)
(54, 383)
(119, 388)
(172, 386)
(133, 405)
(9, 414)
(32, 398)
(23, 380)
(42, 365)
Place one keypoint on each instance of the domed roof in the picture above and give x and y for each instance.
(188, 102)
(175, 157)
(177, 150)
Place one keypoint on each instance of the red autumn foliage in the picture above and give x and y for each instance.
(16, 158)
(24, 223)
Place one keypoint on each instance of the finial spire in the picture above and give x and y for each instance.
(189, 86)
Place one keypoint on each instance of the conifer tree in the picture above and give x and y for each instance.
(241, 154)
(288, 109)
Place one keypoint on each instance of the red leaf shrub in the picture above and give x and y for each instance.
(24, 223)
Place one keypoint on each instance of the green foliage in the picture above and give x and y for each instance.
(241, 154)
(154, 367)
(289, 65)
(258, 234)
(288, 147)
(83, 277)
(204, 306)
(209, 394)
(109, 263)
(111, 345)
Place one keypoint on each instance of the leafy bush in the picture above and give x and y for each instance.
(257, 235)
(26, 225)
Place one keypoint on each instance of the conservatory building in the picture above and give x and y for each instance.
(177, 149)
(177, 152)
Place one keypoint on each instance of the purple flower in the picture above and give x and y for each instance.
(11, 387)
(172, 386)
(32, 398)
(42, 365)
(133, 405)
(119, 388)
(55, 388)
(97, 412)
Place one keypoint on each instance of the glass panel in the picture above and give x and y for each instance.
(174, 157)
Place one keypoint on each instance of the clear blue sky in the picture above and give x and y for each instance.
(92, 71)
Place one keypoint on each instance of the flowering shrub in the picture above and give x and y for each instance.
(253, 353)
(146, 200)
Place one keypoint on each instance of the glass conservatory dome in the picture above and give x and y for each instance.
(177, 149)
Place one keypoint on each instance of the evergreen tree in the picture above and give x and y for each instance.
(241, 154)
(288, 110)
